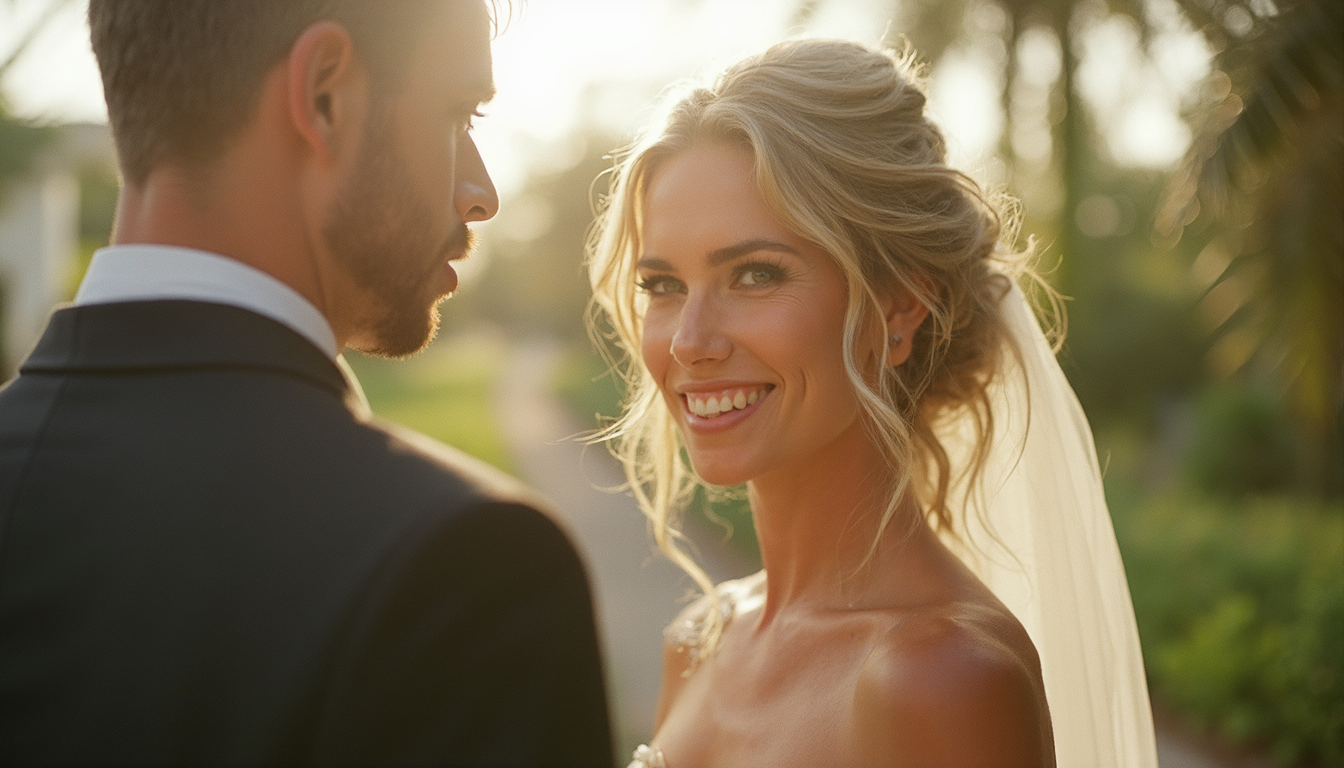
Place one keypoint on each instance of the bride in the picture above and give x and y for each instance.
(815, 305)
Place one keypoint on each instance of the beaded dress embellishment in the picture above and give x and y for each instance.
(647, 757)
(684, 636)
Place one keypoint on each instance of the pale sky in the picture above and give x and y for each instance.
(564, 63)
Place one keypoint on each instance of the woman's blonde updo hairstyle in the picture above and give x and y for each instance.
(846, 157)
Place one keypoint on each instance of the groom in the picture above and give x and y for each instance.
(210, 552)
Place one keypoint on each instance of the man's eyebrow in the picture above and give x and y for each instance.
(724, 254)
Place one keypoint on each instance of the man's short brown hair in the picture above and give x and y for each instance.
(182, 77)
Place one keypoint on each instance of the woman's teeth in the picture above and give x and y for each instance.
(711, 404)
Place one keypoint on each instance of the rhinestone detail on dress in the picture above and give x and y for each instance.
(686, 635)
(647, 757)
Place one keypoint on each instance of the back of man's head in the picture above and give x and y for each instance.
(182, 77)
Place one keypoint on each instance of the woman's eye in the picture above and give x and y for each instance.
(660, 285)
(756, 276)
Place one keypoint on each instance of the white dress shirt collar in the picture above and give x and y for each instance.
(161, 272)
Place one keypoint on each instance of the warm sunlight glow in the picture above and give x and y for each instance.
(562, 65)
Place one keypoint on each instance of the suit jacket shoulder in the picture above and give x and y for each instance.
(207, 554)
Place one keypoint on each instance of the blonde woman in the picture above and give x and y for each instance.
(813, 304)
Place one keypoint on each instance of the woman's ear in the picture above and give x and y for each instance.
(328, 90)
(903, 311)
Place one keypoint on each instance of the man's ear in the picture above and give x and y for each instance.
(904, 312)
(328, 89)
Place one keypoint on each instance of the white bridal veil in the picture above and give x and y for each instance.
(1049, 554)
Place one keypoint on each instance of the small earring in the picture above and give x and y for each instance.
(897, 338)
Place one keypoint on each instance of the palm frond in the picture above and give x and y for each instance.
(1265, 180)
(1295, 71)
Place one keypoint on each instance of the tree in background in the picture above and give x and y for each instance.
(1260, 194)
(20, 140)
(1131, 346)
(1260, 197)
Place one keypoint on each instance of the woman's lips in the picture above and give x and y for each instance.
(723, 408)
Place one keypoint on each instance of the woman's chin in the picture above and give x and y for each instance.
(720, 473)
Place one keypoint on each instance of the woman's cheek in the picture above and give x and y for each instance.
(656, 347)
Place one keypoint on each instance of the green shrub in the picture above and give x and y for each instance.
(1241, 612)
(1242, 443)
(728, 509)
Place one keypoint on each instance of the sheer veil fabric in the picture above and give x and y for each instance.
(1042, 540)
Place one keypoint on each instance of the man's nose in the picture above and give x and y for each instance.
(699, 337)
(475, 195)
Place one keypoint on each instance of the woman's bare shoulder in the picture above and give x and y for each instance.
(954, 685)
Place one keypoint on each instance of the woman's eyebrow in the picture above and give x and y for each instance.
(728, 253)
(656, 264)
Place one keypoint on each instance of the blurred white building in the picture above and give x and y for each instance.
(39, 234)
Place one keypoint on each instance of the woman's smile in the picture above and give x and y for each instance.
(716, 408)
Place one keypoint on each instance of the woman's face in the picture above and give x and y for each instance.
(745, 322)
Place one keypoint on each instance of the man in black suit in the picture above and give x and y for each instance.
(210, 552)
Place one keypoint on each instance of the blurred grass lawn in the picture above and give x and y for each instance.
(445, 392)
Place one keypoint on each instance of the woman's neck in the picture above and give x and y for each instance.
(817, 521)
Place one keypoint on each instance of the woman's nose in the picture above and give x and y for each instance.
(699, 337)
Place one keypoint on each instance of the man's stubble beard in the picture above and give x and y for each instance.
(378, 233)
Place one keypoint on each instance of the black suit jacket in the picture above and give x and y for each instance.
(208, 554)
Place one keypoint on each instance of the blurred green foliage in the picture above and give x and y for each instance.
(1260, 197)
(729, 510)
(1241, 613)
(1242, 444)
(98, 191)
(20, 141)
(583, 382)
(445, 392)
